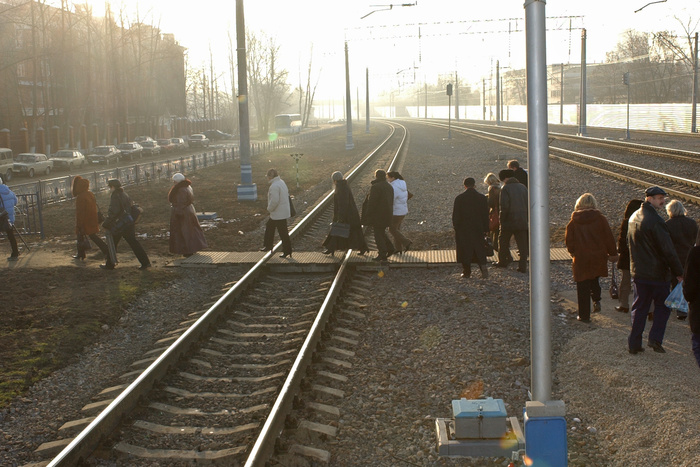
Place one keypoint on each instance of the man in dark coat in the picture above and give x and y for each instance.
(652, 261)
(377, 211)
(518, 172)
(691, 292)
(514, 221)
(470, 219)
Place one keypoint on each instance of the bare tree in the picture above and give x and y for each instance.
(268, 85)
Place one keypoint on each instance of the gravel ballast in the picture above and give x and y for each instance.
(433, 337)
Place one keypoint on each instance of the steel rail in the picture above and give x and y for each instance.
(82, 446)
(670, 153)
(522, 144)
(264, 446)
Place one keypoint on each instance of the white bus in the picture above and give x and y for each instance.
(287, 123)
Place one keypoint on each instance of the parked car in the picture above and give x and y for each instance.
(130, 150)
(141, 139)
(179, 144)
(166, 145)
(150, 148)
(30, 163)
(6, 161)
(198, 141)
(215, 135)
(67, 159)
(104, 155)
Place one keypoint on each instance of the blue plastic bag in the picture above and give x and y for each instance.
(676, 300)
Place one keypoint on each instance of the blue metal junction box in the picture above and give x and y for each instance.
(479, 418)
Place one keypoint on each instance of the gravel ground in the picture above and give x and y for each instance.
(36, 417)
(454, 338)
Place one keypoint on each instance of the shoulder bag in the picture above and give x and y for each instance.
(488, 247)
(292, 211)
(340, 229)
(614, 294)
(136, 211)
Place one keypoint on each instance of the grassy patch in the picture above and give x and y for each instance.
(56, 313)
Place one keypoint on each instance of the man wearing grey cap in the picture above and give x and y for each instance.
(652, 261)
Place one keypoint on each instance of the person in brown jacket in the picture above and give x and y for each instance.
(86, 223)
(186, 235)
(591, 244)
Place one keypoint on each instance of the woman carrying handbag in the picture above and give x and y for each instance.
(344, 214)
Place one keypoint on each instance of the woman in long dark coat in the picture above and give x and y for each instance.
(591, 244)
(623, 262)
(493, 196)
(186, 235)
(345, 211)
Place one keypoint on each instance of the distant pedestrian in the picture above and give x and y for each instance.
(8, 201)
(493, 197)
(591, 244)
(345, 212)
(377, 211)
(518, 172)
(119, 223)
(684, 231)
(280, 211)
(86, 223)
(400, 210)
(186, 235)
(653, 261)
(470, 219)
(691, 292)
(623, 262)
(513, 217)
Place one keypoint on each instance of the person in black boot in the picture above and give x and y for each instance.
(120, 224)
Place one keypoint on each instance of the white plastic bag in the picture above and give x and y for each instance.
(676, 300)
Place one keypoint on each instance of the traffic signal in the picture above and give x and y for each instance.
(449, 89)
(626, 78)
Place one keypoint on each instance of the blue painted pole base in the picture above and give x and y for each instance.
(248, 192)
(545, 434)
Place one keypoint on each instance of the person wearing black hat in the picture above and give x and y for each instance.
(470, 219)
(653, 260)
(120, 224)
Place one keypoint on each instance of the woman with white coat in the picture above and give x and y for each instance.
(401, 196)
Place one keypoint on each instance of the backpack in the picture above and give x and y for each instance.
(136, 211)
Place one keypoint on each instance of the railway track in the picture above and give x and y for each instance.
(219, 388)
(678, 187)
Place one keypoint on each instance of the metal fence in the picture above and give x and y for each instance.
(58, 189)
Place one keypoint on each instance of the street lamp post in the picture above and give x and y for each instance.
(626, 82)
(449, 111)
(348, 107)
(247, 190)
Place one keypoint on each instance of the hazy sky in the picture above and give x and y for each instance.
(459, 35)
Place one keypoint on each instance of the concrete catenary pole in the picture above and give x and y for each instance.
(366, 100)
(538, 163)
(694, 118)
(348, 110)
(498, 93)
(247, 190)
(582, 93)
